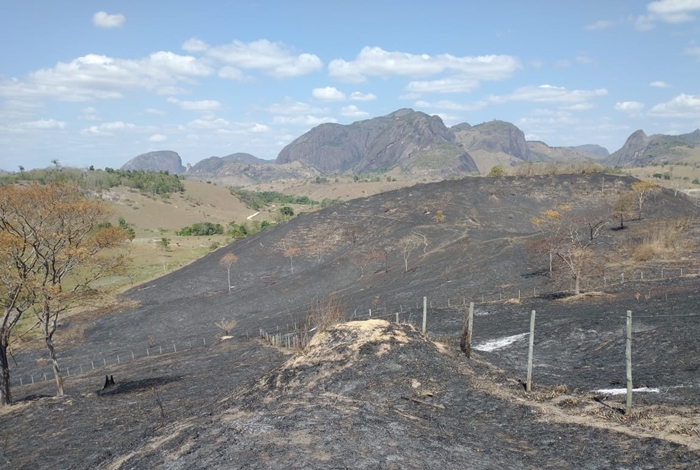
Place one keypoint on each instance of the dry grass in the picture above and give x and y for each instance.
(321, 315)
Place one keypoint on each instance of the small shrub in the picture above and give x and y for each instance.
(644, 253)
(497, 171)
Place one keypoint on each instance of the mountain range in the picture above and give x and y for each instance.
(416, 143)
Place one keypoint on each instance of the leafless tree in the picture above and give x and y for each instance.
(228, 260)
(290, 253)
(409, 243)
(642, 190)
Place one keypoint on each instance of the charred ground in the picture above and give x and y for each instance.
(380, 395)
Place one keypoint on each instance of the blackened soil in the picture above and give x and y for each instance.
(383, 396)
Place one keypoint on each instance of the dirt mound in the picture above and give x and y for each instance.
(356, 358)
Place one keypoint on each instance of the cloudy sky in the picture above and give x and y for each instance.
(99, 82)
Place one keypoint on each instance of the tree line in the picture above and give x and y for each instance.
(161, 183)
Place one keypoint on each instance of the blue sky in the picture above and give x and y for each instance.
(99, 82)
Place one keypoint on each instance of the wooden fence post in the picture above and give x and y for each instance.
(528, 385)
(628, 407)
(425, 314)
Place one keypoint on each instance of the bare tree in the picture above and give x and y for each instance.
(407, 244)
(290, 253)
(549, 223)
(622, 208)
(228, 261)
(226, 325)
(352, 233)
(642, 190)
(366, 258)
(569, 239)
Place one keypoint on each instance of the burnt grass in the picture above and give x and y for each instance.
(377, 394)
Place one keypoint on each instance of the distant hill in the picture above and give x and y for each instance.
(405, 138)
(240, 173)
(413, 141)
(642, 150)
(541, 152)
(592, 149)
(212, 164)
(494, 136)
(160, 160)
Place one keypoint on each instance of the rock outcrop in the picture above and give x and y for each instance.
(160, 160)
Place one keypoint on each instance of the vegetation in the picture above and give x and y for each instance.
(161, 183)
(497, 171)
(243, 230)
(201, 229)
(257, 200)
(54, 246)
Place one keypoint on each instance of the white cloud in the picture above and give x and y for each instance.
(170, 90)
(157, 138)
(536, 63)
(682, 106)
(659, 84)
(100, 77)
(548, 94)
(155, 112)
(598, 25)
(45, 124)
(668, 11)
(445, 85)
(308, 120)
(579, 106)
(375, 61)
(673, 11)
(443, 104)
(353, 112)
(289, 107)
(89, 114)
(328, 93)
(562, 63)
(692, 51)
(108, 128)
(223, 127)
(631, 107)
(232, 73)
(585, 60)
(104, 20)
(358, 96)
(202, 106)
(274, 58)
(195, 45)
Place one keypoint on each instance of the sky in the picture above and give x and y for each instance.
(90, 82)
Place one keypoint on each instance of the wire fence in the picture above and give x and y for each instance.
(293, 335)
(102, 361)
